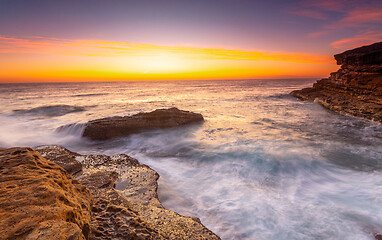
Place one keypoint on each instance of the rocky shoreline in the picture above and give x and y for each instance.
(50, 192)
(103, 197)
(356, 88)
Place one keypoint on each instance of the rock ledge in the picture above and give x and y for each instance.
(356, 88)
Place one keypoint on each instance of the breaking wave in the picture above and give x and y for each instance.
(74, 129)
(50, 111)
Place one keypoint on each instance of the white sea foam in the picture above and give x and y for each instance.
(19, 132)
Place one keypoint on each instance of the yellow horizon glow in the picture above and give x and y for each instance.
(51, 59)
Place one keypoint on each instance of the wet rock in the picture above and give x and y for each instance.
(98, 179)
(112, 217)
(356, 88)
(378, 236)
(126, 204)
(64, 158)
(39, 199)
(112, 127)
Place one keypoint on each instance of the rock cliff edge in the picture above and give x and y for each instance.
(356, 88)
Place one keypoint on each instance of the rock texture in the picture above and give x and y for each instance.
(112, 127)
(108, 197)
(356, 88)
(126, 204)
(39, 199)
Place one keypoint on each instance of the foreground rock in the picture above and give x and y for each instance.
(356, 88)
(126, 204)
(40, 200)
(112, 127)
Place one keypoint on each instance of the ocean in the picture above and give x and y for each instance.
(264, 165)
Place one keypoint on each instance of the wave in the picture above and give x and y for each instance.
(50, 111)
(18, 132)
(74, 129)
(90, 95)
(279, 96)
(273, 97)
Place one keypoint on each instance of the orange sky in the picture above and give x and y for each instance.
(121, 40)
(37, 59)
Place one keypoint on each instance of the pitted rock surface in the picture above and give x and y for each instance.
(132, 204)
(39, 199)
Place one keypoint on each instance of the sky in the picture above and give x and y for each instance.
(119, 40)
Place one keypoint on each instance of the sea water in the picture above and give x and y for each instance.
(263, 165)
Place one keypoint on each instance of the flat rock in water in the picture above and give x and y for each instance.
(112, 127)
(356, 88)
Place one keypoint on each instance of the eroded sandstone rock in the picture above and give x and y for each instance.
(126, 200)
(356, 88)
(39, 199)
(111, 219)
(112, 127)
(366, 55)
(65, 159)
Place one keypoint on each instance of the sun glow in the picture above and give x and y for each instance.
(160, 62)
(48, 59)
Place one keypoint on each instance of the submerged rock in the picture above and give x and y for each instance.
(39, 199)
(50, 111)
(378, 236)
(126, 204)
(356, 88)
(112, 127)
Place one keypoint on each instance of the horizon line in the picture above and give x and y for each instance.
(162, 80)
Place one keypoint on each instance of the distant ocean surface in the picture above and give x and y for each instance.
(264, 165)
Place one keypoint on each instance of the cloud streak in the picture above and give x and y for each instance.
(101, 48)
(357, 40)
(362, 18)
